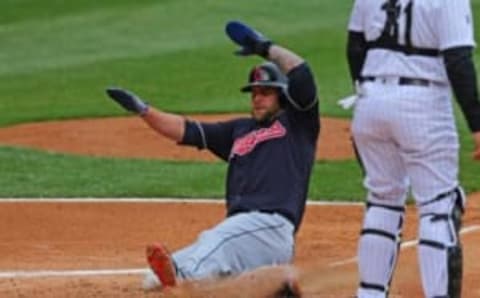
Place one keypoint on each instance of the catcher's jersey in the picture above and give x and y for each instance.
(269, 163)
(405, 37)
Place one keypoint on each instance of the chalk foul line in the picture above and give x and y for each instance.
(140, 271)
(70, 273)
(404, 245)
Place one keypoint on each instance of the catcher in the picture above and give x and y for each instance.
(270, 157)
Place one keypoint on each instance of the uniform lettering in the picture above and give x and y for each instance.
(245, 144)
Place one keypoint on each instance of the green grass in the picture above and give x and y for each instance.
(30, 173)
(57, 58)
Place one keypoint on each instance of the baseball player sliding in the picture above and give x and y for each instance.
(407, 56)
(270, 157)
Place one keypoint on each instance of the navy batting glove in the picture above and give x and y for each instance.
(251, 41)
(128, 100)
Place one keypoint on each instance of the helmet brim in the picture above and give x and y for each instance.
(248, 87)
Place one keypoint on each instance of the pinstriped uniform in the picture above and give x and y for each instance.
(435, 24)
(405, 133)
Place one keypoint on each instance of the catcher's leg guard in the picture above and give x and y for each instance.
(378, 249)
(440, 250)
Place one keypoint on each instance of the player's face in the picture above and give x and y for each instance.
(265, 103)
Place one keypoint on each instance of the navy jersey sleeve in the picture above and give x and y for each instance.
(216, 137)
(302, 91)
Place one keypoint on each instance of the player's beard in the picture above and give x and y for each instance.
(266, 116)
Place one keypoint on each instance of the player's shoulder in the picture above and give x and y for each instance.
(440, 4)
(444, 10)
(242, 121)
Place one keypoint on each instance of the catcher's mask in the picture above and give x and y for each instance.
(269, 75)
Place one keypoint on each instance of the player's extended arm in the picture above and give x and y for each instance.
(169, 125)
(254, 43)
(301, 92)
(462, 75)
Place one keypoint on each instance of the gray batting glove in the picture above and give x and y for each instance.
(128, 100)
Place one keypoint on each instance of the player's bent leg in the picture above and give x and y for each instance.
(240, 243)
(440, 250)
(379, 248)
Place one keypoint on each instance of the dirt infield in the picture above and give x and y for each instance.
(130, 137)
(96, 249)
(98, 236)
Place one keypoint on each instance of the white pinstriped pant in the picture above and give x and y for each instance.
(406, 137)
(407, 140)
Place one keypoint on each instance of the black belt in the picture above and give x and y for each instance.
(401, 81)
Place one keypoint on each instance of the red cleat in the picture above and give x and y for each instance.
(161, 263)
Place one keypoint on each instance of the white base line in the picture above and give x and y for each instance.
(404, 245)
(70, 273)
(138, 271)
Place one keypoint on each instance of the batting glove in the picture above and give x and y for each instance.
(128, 100)
(251, 41)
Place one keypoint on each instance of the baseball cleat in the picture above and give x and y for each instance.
(162, 264)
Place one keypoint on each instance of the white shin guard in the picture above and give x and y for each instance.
(378, 249)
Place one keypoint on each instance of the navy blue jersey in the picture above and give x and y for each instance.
(269, 163)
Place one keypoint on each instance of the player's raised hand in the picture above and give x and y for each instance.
(250, 41)
(128, 100)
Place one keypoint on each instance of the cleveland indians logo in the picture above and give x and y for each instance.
(248, 142)
(260, 75)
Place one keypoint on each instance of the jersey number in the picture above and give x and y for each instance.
(390, 31)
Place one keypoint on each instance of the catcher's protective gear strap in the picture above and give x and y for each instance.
(387, 41)
(462, 75)
(403, 49)
(380, 241)
(388, 207)
(457, 191)
(441, 252)
(379, 232)
(390, 236)
(370, 286)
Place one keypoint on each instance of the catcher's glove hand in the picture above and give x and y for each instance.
(251, 41)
